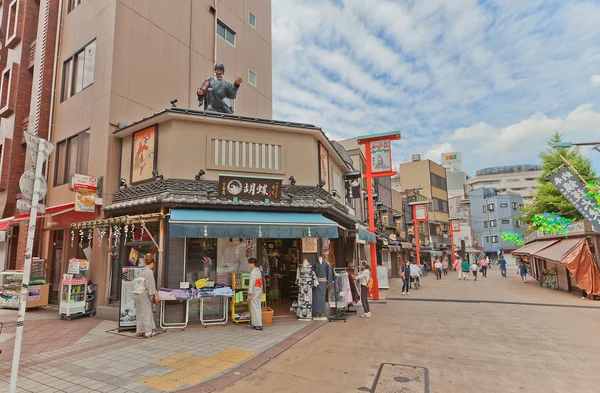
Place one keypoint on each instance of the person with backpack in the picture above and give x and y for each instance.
(144, 294)
(406, 279)
(365, 282)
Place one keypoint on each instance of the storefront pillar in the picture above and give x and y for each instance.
(161, 249)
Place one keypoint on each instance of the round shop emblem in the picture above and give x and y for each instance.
(234, 187)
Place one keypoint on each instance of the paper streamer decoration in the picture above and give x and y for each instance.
(593, 192)
(513, 237)
(551, 223)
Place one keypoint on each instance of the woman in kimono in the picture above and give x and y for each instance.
(255, 289)
(144, 291)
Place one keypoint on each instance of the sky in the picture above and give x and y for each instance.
(491, 79)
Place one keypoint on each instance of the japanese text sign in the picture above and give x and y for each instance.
(572, 189)
(421, 213)
(381, 156)
(83, 182)
(455, 225)
(231, 186)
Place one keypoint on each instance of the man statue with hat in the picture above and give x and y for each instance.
(215, 89)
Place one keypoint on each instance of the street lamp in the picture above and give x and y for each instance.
(566, 145)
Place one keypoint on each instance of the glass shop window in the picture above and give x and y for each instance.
(201, 260)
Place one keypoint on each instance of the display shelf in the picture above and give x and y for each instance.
(10, 290)
(72, 299)
(240, 282)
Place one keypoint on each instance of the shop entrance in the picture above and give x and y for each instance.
(282, 256)
(56, 266)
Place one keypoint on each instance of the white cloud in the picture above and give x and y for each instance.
(596, 80)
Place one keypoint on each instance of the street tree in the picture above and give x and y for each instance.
(548, 199)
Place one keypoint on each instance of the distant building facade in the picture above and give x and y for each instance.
(519, 179)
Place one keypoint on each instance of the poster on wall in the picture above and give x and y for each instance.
(144, 154)
(323, 165)
(309, 245)
(232, 257)
(127, 319)
(381, 156)
(85, 201)
(382, 277)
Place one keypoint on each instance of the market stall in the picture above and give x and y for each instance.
(12, 280)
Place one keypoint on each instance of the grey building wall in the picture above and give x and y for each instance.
(505, 212)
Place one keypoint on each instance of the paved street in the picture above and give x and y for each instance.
(492, 346)
(449, 336)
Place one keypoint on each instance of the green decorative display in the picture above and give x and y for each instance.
(593, 192)
(513, 237)
(551, 223)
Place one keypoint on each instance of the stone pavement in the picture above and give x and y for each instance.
(494, 335)
(86, 355)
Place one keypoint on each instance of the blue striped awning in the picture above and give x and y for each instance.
(188, 223)
(367, 237)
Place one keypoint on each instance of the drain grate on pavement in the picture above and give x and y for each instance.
(400, 378)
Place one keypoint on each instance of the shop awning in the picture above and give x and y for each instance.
(187, 223)
(534, 247)
(367, 237)
(557, 251)
(50, 211)
(5, 224)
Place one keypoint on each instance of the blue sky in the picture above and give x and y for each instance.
(492, 79)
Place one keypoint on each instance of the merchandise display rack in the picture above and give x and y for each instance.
(239, 301)
(73, 293)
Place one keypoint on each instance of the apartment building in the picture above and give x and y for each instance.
(519, 179)
(27, 59)
(122, 61)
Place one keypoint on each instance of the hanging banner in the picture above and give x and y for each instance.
(575, 192)
(352, 188)
(127, 315)
(381, 156)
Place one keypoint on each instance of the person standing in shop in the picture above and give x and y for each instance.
(255, 289)
(406, 279)
(484, 266)
(363, 278)
(438, 269)
(502, 263)
(144, 294)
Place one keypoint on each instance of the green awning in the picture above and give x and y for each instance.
(367, 237)
(188, 223)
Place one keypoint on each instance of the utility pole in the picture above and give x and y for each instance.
(39, 150)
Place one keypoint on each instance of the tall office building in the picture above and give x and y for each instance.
(121, 61)
(519, 179)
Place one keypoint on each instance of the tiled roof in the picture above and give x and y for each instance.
(205, 192)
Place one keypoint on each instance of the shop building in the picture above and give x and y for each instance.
(126, 60)
(27, 60)
(219, 189)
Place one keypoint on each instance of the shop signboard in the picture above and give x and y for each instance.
(455, 226)
(246, 187)
(382, 277)
(381, 156)
(83, 183)
(575, 192)
(73, 266)
(85, 201)
(127, 315)
(309, 245)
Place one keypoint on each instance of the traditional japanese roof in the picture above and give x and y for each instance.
(205, 193)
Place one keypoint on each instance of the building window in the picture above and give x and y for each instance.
(252, 19)
(440, 205)
(491, 206)
(518, 223)
(513, 180)
(485, 224)
(504, 205)
(73, 4)
(505, 221)
(251, 78)
(78, 71)
(225, 32)
(72, 155)
(12, 24)
(515, 205)
(486, 239)
(484, 209)
(493, 223)
(438, 181)
(495, 239)
(5, 88)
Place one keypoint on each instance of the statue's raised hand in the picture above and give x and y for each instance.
(238, 80)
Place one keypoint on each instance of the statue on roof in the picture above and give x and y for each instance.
(213, 92)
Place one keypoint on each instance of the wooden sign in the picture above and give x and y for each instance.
(309, 246)
(244, 187)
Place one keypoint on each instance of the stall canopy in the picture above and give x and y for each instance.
(366, 237)
(186, 223)
(558, 250)
(534, 247)
(580, 262)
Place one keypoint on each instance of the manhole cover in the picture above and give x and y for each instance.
(400, 378)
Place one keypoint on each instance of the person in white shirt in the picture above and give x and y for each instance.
(474, 270)
(438, 269)
(363, 278)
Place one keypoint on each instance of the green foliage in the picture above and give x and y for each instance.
(551, 223)
(548, 199)
(513, 237)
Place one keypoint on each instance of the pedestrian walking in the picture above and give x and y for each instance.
(457, 266)
(465, 267)
(445, 266)
(255, 290)
(474, 270)
(438, 269)
(144, 294)
(502, 263)
(363, 279)
(523, 271)
(484, 266)
(406, 279)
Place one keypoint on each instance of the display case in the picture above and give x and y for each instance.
(73, 293)
(10, 290)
